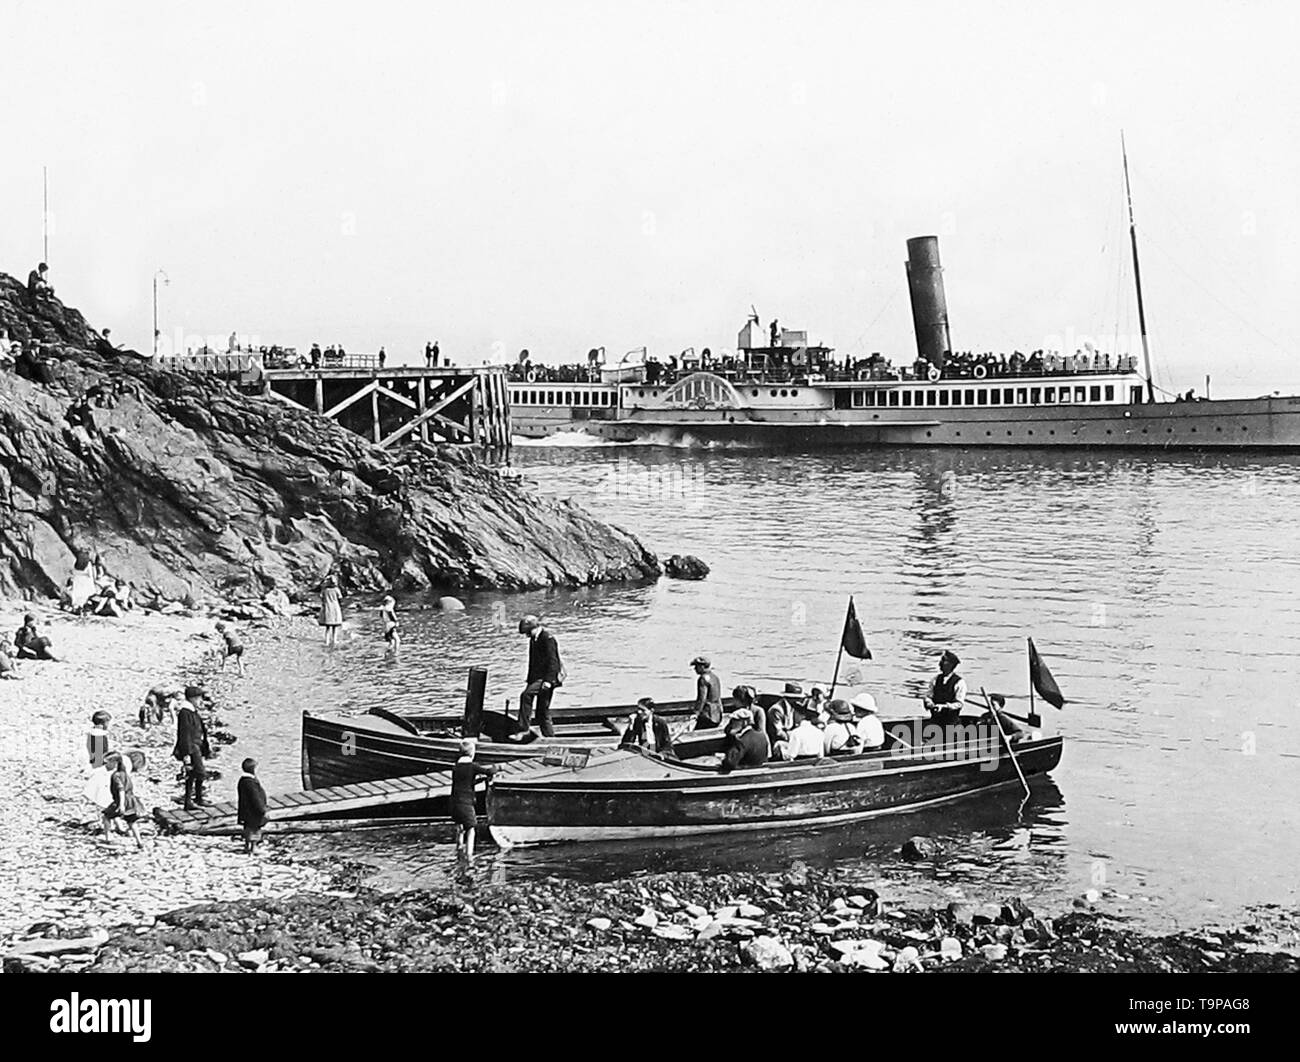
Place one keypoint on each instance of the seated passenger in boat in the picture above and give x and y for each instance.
(947, 692)
(747, 697)
(867, 725)
(996, 715)
(840, 734)
(817, 705)
(777, 725)
(647, 730)
(804, 740)
(746, 747)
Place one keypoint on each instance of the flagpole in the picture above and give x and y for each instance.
(1034, 718)
(840, 655)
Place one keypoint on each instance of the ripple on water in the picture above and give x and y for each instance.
(1160, 589)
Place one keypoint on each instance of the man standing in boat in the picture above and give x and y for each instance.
(543, 675)
(947, 692)
(708, 694)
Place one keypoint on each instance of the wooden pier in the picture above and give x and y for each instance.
(453, 404)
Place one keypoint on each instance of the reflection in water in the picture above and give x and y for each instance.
(1159, 589)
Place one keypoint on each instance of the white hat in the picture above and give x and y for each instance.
(864, 702)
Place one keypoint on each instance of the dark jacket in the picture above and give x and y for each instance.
(636, 735)
(750, 749)
(191, 734)
(25, 637)
(252, 802)
(543, 658)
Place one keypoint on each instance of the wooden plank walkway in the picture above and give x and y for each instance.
(313, 803)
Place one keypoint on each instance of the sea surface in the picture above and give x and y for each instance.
(1161, 590)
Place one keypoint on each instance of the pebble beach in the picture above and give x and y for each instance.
(58, 877)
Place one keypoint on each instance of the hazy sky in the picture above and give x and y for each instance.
(568, 175)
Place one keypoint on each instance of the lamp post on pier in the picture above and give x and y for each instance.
(165, 281)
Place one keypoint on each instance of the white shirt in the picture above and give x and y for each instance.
(805, 741)
(835, 737)
(871, 731)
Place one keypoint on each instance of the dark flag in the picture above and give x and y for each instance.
(853, 641)
(1041, 679)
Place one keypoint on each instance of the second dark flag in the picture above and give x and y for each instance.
(853, 641)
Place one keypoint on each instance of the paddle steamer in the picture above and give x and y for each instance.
(778, 390)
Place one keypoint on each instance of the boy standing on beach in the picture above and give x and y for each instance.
(252, 805)
(231, 646)
(192, 746)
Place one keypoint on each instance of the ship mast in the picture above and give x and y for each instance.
(1137, 274)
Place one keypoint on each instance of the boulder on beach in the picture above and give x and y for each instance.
(917, 848)
(766, 953)
(685, 567)
(194, 492)
(450, 604)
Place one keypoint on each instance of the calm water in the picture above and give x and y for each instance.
(1161, 590)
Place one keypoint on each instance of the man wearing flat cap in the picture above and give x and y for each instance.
(947, 691)
(708, 694)
(544, 675)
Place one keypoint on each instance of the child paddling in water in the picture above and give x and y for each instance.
(331, 610)
(388, 613)
(231, 646)
(463, 812)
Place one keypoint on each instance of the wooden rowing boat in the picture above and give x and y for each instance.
(342, 750)
(624, 794)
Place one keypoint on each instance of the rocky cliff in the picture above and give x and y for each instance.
(189, 489)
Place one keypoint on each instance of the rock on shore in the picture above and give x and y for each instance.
(670, 922)
(188, 489)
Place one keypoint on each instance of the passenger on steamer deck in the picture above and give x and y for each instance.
(947, 692)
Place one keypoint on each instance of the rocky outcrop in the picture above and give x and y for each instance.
(685, 567)
(189, 489)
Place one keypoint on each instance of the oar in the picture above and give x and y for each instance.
(1005, 740)
(1033, 720)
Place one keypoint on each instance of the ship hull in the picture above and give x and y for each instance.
(1228, 424)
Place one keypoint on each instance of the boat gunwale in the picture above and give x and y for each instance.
(701, 779)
